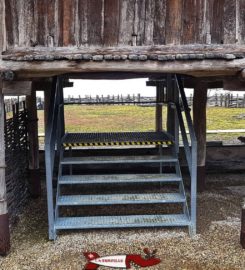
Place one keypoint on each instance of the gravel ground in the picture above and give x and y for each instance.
(216, 246)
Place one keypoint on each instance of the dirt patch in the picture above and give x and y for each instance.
(216, 246)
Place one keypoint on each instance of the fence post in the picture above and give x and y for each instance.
(221, 100)
(139, 98)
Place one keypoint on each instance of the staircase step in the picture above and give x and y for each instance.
(111, 199)
(99, 222)
(118, 178)
(117, 159)
(117, 138)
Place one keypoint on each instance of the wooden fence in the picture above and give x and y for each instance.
(217, 100)
(16, 149)
(223, 100)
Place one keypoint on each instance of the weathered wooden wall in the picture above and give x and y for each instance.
(114, 22)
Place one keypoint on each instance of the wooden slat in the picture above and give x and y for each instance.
(17, 88)
(230, 21)
(126, 24)
(83, 22)
(60, 12)
(41, 21)
(139, 20)
(23, 22)
(202, 22)
(189, 26)
(2, 26)
(217, 21)
(52, 19)
(173, 21)
(149, 22)
(9, 23)
(111, 23)
(95, 22)
(12, 22)
(29, 25)
(69, 8)
(159, 22)
(241, 16)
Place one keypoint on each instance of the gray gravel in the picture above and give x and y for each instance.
(216, 246)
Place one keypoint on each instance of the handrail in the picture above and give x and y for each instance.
(51, 139)
(186, 108)
(190, 150)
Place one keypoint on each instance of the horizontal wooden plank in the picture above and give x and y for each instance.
(17, 88)
(198, 68)
(127, 50)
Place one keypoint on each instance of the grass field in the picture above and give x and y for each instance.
(135, 118)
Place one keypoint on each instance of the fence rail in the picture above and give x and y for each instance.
(223, 100)
(218, 100)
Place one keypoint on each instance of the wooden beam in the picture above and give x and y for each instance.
(107, 75)
(18, 88)
(198, 68)
(35, 182)
(199, 118)
(47, 97)
(171, 97)
(242, 75)
(39, 52)
(159, 99)
(234, 84)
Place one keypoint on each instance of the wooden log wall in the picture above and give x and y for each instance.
(59, 23)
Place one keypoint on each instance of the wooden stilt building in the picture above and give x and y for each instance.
(175, 43)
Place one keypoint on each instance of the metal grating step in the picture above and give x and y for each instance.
(117, 159)
(115, 178)
(111, 199)
(117, 139)
(100, 222)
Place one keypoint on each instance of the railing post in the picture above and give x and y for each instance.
(49, 161)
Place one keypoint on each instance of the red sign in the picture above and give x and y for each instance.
(121, 261)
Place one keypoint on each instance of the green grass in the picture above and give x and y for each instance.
(135, 118)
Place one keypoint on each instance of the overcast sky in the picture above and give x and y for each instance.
(124, 87)
(110, 87)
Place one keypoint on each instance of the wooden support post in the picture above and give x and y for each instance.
(242, 235)
(47, 93)
(159, 84)
(170, 110)
(35, 183)
(199, 119)
(159, 99)
(4, 219)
